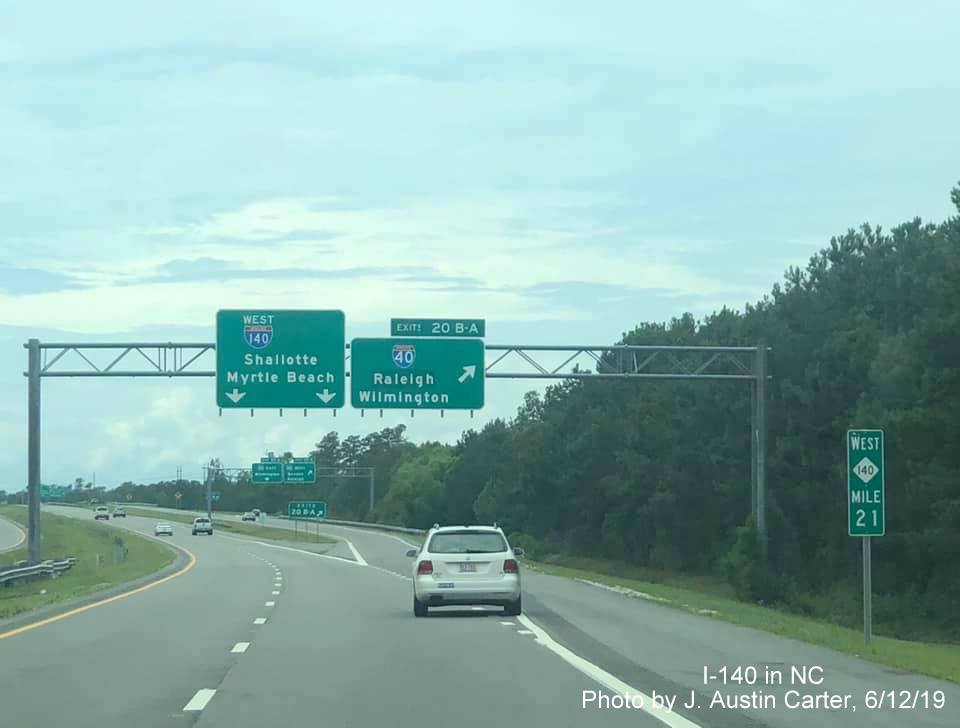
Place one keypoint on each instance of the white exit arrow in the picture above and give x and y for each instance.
(468, 373)
(326, 395)
(236, 396)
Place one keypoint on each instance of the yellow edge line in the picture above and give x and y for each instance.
(114, 598)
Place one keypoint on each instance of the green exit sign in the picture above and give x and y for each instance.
(275, 358)
(417, 373)
(470, 328)
(307, 510)
(866, 507)
(267, 472)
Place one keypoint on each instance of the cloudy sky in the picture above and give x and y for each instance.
(564, 170)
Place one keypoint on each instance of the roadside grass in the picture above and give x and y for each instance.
(707, 598)
(240, 528)
(62, 537)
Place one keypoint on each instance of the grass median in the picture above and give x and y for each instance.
(708, 600)
(306, 534)
(62, 537)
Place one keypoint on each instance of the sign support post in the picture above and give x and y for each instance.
(867, 592)
(866, 505)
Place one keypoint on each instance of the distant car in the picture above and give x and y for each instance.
(459, 565)
(101, 512)
(248, 516)
(202, 525)
(256, 512)
(118, 512)
(163, 529)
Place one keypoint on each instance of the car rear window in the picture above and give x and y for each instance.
(467, 542)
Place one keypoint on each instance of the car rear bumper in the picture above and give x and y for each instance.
(496, 592)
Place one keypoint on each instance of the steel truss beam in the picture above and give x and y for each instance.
(169, 359)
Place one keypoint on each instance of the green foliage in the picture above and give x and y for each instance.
(748, 570)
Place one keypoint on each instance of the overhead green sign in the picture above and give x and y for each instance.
(866, 510)
(417, 373)
(300, 472)
(280, 358)
(307, 510)
(470, 328)
(267, 472)
(52, 492)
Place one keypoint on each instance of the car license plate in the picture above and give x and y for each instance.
(445, 585)
(464, 568)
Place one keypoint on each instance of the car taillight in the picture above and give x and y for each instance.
(425, 567)
(510, 566)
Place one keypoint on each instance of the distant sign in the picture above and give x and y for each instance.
(300, 472)
(307, 510)
(866, 509)
(271, 472)
(52, 492)
(471, 328)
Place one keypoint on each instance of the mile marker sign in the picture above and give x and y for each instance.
(866, 509)
(280, 358)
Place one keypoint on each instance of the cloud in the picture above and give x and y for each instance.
(22, 281)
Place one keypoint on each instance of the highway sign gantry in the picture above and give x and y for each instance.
(307, 510)
(469, 328)
(280, 358)
(267, 472)
(407, 373)
(866, 509)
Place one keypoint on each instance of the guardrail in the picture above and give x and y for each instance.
(10, 575)
(366, 524)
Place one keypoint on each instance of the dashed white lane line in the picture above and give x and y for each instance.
(601, 676)
(270, 604)
(200, 700)
(240, 647)
(524, 631)
(507, 624)
(275, 593)
(260, 620)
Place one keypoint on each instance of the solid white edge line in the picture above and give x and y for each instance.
(356, 554)
(604, 678)
(260, 620)
(240, 648)
(200, 700)
(339, 559)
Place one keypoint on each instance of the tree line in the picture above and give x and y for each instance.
(657, 474)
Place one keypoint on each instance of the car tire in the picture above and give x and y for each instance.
(514, 609)
(194, 533)
(420, 609)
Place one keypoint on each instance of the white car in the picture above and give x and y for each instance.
(202, 525)
(101, 512)
(459, 565)
(163, 529)
(248, 516)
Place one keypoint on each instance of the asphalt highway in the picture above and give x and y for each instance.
(11, 535)
(338, 645)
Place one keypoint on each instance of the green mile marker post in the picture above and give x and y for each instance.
(866, 505)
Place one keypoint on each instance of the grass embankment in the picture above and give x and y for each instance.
(62, 537)
(713, 599)
(307, 534)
